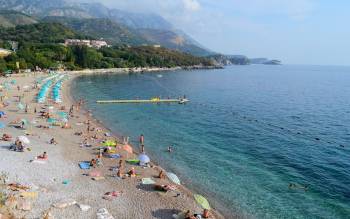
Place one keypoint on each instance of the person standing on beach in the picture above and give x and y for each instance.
(71, 110)
(142, 143)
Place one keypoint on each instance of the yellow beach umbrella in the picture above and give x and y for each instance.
(203, 202)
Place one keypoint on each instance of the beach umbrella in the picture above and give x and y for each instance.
(109, 143)
(144, 159)
(20, 106)
(51, 120)
(128, 148)
(173, 178)
(203, 202)
(23, 139)
(25, 122)
(62, 114)
(2, 113)
(2, 125)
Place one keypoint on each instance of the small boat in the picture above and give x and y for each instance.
(183, 101)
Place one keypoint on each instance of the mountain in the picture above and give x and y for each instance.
(265, 61)
(220, 59)
(148, 26)
(39, 33)
(169, 39)
(98, 28)
(13, 18)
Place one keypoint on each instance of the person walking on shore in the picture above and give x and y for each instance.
(142, 143)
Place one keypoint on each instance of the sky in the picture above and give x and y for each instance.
(294, 31)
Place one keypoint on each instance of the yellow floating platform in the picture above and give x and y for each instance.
(180, 101)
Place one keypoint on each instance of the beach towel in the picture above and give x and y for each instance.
(95, 173)
(39, 161)
(29, 194)
(147, 181)
(133, 161)
(84, 165)
(115, 156)
(97, 178)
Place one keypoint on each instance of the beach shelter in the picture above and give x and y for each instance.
(203, 202)
(173, 178)
(23, 139)
(144, 159)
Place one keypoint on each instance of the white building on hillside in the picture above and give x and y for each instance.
(90, 43)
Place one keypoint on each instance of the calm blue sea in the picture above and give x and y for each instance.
(248, 132)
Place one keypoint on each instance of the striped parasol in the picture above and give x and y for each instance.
(203, 202)
(173, 178)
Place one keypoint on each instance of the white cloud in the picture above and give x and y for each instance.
(191, 5)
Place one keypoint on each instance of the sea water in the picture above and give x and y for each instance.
(247, 134)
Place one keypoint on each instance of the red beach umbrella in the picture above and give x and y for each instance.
(128, 148)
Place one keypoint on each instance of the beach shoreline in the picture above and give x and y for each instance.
(46, 180)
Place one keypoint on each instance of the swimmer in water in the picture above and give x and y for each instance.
(170, 149)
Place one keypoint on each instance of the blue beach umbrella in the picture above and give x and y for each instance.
(2, 113)
(2, 125)
(51, 120)
(144, 159)
(63, 115)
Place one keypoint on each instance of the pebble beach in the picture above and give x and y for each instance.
(57, 187)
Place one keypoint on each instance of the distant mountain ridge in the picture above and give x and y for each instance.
(142, 28)
(224, 60)
(12, 19)
(99, 28)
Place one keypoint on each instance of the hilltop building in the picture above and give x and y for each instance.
(90, 43)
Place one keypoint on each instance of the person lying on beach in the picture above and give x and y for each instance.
(112, 195)
(22, 125)
(161, 175)
(206, 213)
(132, 172)
(120, 173)
(53, 141)
(164, 188)
(121, 164)
(94, 137)
(85, 143)
(188, 215)
(78, 133)
(6, 137)
(42, 156)
(66, 126)
(93, 163)
(43, 126)
(18, 146)
(99, 161)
